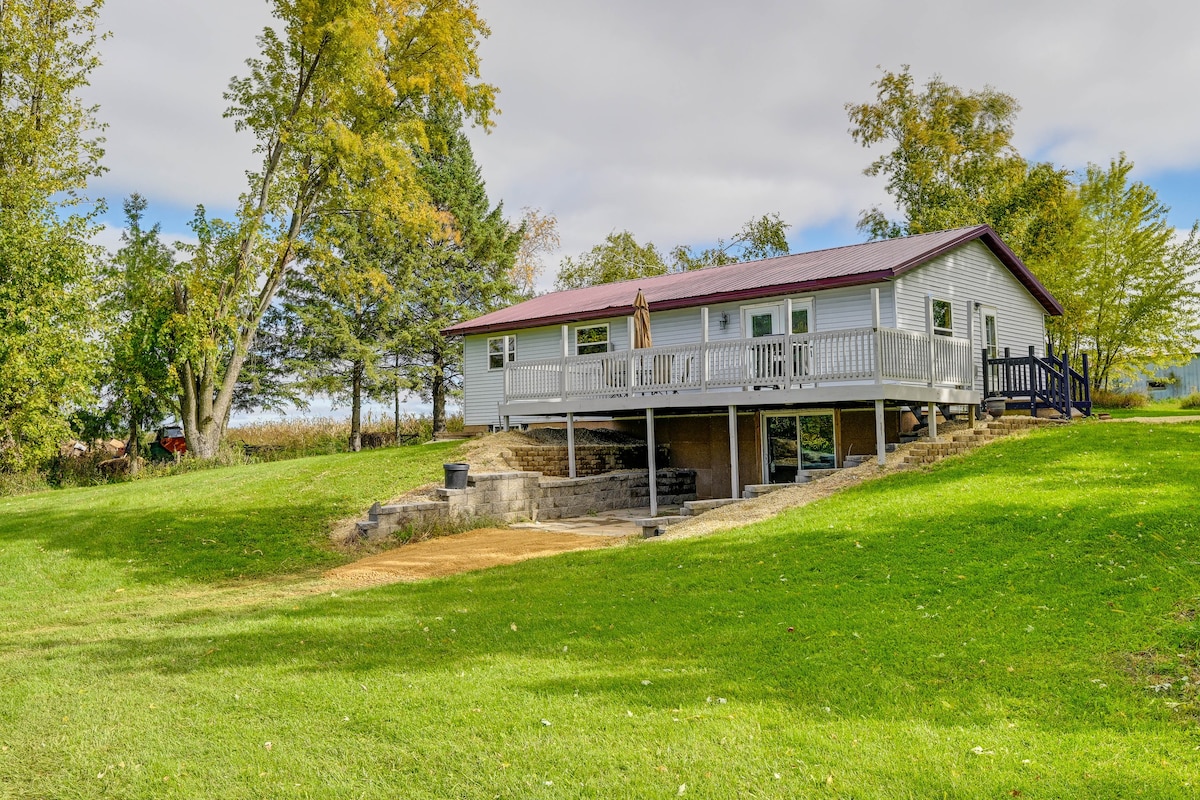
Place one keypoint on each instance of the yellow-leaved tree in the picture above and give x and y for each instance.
(336, 101)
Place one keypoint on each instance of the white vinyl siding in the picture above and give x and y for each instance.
(965, 276)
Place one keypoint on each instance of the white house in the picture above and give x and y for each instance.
(762, 369)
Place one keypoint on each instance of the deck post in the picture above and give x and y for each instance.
(1087, 385)
(570, 445)
(878, 335)
(734, 478)
(504, 423)
(984, 361)
(651, 447)
(929, 333)
(931, 417)
(704, 349)
(562, 366)
(788, 361)
(1033, 382)
(880, 435)
(1066, 386)
(629, 362)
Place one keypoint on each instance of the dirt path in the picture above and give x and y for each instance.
(1157, 420)
(463, 552)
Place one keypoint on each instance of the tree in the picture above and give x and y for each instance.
(460, 271)
(619, 258)
(761, 237)
(1135, 283)
(138, 376)
(48, 151)
(540, 238)
(338, 312)
(953, 164)
(1103, 248)
(336, 102)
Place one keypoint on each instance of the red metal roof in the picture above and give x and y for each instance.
(851, 265)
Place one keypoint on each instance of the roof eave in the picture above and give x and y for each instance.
(467, 329)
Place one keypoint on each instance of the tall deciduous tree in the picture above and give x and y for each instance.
(760, 237)
(618, 258)
(49, 149)
(459, 271)
(539, 239)
(1103, 248)
(138, 375)
(952, 163)
(336, 102)
(1135, 281)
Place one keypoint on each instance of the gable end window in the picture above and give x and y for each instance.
(500, 350)
(943, 318)
(591, 339)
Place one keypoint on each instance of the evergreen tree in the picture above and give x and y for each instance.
(340, 314)
(461, 271)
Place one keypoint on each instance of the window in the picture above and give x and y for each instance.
(500, 350)
(801, 316)
(591, 339)
(943, 319)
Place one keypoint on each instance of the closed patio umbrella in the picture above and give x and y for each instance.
(641, 321)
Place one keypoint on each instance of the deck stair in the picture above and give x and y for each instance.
(1043, 386)
(961, 442)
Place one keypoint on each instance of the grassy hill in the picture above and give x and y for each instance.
(1020, 623)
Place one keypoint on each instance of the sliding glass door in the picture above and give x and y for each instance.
(797, 442)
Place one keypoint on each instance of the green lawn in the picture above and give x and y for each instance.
(1157, 408)
(994, 627)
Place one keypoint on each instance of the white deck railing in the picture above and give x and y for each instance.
(784, 362)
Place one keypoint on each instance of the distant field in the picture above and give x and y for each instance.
(1019, 623)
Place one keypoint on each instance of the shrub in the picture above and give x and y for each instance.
(15, 483)
(1104, 398)
(1191, 401)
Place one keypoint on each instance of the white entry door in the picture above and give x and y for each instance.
(764, 360)
(990, 340)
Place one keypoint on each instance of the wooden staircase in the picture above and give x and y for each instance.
(1041, 386)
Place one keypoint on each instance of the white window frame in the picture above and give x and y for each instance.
(775, 310)
(507, 351)
(942, 331)
(605, 344)
(803, 304)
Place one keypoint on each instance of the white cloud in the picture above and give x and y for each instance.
(680, 120)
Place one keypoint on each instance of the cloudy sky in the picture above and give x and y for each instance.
(680, 119)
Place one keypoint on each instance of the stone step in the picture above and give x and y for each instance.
(753, 490)
(694, 507)
(653, 526)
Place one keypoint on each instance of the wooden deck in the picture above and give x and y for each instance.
(859, 364)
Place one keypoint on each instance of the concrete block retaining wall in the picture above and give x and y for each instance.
(516, 496)
(590, 459)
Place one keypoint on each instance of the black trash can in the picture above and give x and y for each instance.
(456, 475)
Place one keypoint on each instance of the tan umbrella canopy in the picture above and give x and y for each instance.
(641, 321)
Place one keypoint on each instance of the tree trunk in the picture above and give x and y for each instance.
(396, 398)
(438, 392)
(356, 409)
(132, 445)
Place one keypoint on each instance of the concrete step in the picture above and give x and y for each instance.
(694, 507)
(754, 490)
(653, 526)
